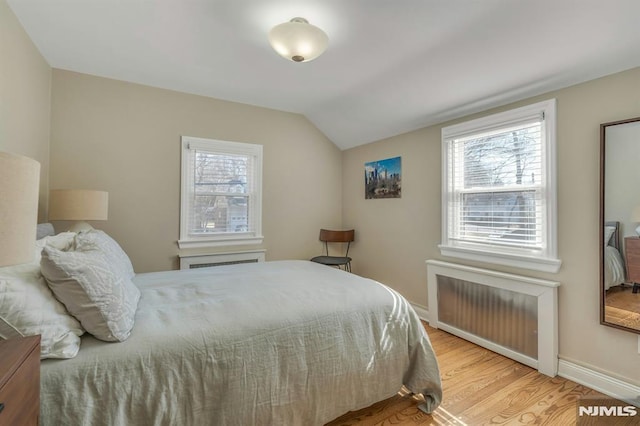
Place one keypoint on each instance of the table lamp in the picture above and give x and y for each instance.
(78, 205)
(19, 187)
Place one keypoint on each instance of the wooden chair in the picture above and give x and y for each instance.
(333, 237)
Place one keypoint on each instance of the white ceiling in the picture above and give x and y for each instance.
(391, 66)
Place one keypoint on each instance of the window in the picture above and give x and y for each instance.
(220, 193)
(499, 196)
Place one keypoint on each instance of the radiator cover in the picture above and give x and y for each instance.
(513, 315)
(192, 261)
(504, 317)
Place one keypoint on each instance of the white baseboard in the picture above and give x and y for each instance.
(422, 311)
(595, 380)
(607, 385)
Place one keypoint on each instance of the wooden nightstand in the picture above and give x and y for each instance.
(20, 381)
(632, 259)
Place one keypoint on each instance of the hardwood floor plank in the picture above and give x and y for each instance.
(481, 387)
(519, 406)
(513, 404)
(559, 408)
(462, 395)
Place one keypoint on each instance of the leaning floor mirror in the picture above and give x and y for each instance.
(620, 224)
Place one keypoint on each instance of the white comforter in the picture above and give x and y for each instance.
(613, 267)
(275, 343)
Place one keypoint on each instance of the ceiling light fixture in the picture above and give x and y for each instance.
(298, 40)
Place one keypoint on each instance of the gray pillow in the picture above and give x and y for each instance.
(93, 290)
(44, 230)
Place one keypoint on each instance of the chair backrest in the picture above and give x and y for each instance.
(329, 236)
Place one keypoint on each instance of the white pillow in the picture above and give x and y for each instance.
(62, 241)
(27, 308)
(99, 240)
(93, 290)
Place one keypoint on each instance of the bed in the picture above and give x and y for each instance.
(614, 271)
(286, 342)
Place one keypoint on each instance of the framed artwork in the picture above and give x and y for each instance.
(383, 178)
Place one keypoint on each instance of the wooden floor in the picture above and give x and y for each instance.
(622, 306)
(480, 388)
(623, 297)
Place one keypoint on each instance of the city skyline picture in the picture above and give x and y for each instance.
(383, 178)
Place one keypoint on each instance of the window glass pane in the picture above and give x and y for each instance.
(220, 213)
(505, 158)
(503, 218)
(220, 173)
(497, 182)
(219, 201)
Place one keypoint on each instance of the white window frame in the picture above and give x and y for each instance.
(186, 186)
(545, 260)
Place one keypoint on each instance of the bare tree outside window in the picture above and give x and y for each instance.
(499, 196)
(221, 202)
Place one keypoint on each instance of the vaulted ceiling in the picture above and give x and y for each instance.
(391, 66)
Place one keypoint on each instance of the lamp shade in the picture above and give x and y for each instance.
(78, 204)
(298, 40)
(19, 187)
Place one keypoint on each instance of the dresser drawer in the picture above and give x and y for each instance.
(20, 391)
(633, 273)
(632, 258)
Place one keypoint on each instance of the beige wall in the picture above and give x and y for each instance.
(395, 237)
(125, 139)
(25, 86)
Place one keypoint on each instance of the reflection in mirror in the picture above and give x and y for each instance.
(619, 218)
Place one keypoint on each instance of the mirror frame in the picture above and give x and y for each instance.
(603, 129)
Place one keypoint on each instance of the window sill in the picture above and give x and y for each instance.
(220, 242)
(502, 258)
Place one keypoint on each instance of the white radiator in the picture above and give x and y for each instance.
(191, 261)
(513, 315)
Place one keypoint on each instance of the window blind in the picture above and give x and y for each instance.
(496, 184)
